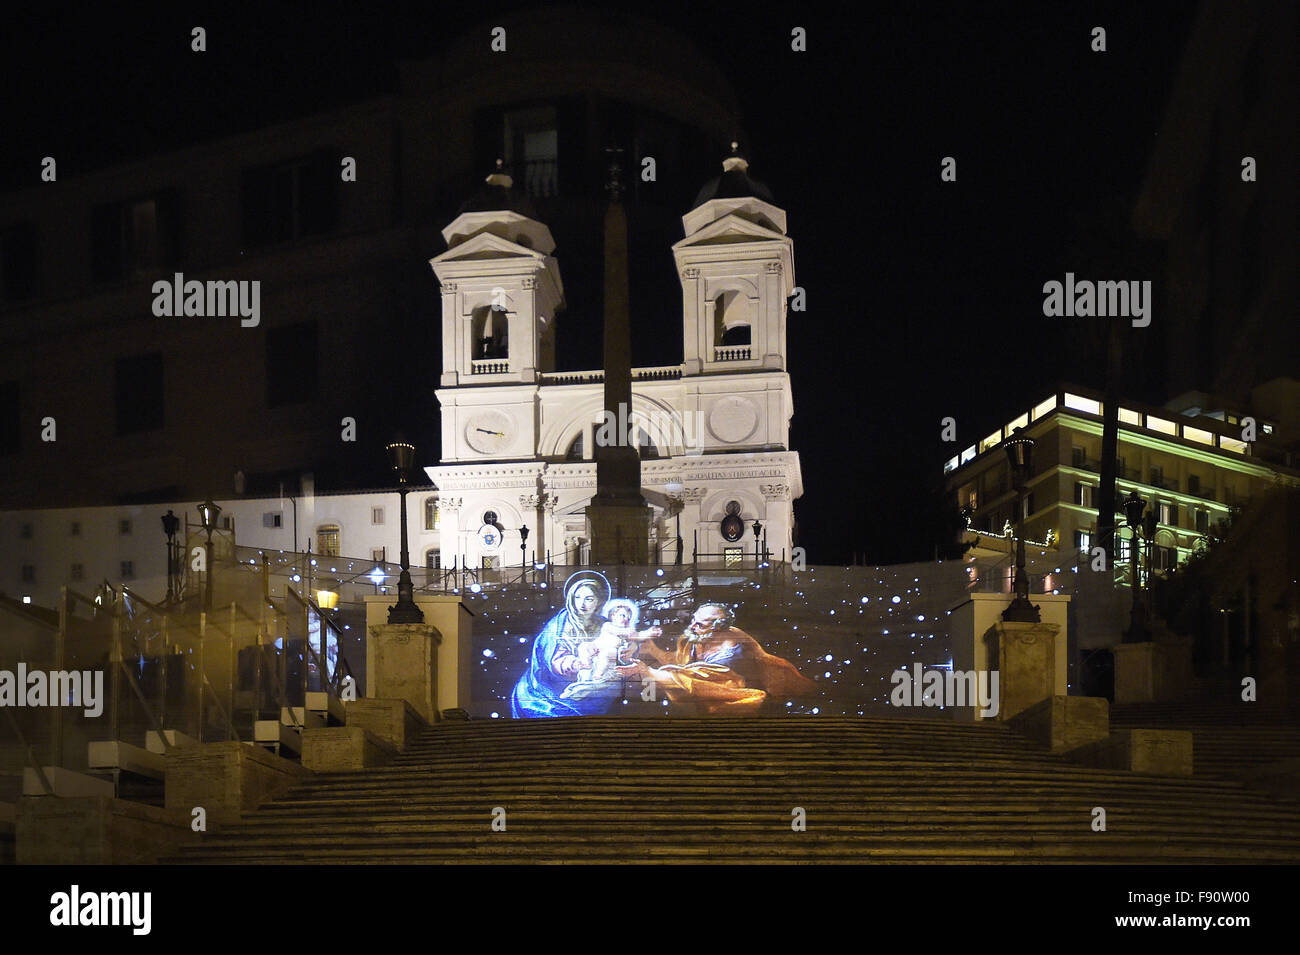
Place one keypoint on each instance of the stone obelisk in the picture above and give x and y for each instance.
(618, 519)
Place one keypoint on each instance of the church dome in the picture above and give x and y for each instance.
(734, 183)
(498, 195)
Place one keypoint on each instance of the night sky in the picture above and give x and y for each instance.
(924, 298)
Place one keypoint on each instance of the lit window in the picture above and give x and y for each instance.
(1021, 422)
(1232, 444)
(991, 441)
(1197, 435)
(968, 454)
(1128, 416)
(327, 540)
(1162, 425)
(1079, 403)
(1044, 407)
(1082, 540)
(431, 514)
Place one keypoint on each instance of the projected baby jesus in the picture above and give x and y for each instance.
(597, 658)
(721, 668)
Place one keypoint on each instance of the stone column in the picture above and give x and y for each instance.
(402, 664)
(1024, 655)
(1153, 670)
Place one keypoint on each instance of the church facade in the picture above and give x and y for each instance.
(713, 432)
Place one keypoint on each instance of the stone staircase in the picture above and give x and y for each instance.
(608, 790)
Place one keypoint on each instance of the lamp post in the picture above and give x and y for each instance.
(208, 513)
(757, 528)
(1020, 458)
(402, 457)
(523, 556)
(1133, 508)
(171, 523)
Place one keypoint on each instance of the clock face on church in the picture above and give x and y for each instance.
(487, 432)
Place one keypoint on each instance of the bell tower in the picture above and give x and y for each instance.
(736, 266)
(501, 289)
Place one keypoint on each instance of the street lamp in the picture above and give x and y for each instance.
(402, 458)
(1020, 458)
(171, 523)
(208, 513)
(1133, 508)
(523, 561)
(757, 528)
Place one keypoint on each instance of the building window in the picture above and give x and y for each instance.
(532, 150)
(1077, 457)
(285, 201)
(1027, 506)
(1082, 540)
(1120, 470)
(574, 453)
(128, 570)
(292, 364)
(1125, 547)
(1168, 513)
(1193, 484)
(272, 519)
(327, 540)
(25, 531)
(376, 515)
(29, 573)
(133, 239)
(431, 515)
(433, 560)
(124, 526)
(1202, 522)
(1083, 494)
(75, 528)
(1157, 476)
(138, 393)
(77, 571)
(18, 263)
(732, 556)
(490, 517)
(11, 421)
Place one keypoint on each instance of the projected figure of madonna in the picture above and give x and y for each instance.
(722, 668)
(556, 658)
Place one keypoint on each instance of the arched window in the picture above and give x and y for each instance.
(489, 334)
(327, 540)
(732, 319)
(575, 451)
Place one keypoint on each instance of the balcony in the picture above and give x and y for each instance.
(731, 353)
(489, 366)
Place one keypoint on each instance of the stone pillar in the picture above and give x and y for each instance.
(1154, 670)
(1025, 657)
(402, 664)
(450, 622)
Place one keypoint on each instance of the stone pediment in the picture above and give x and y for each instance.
(483, 246)
(730, 229)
